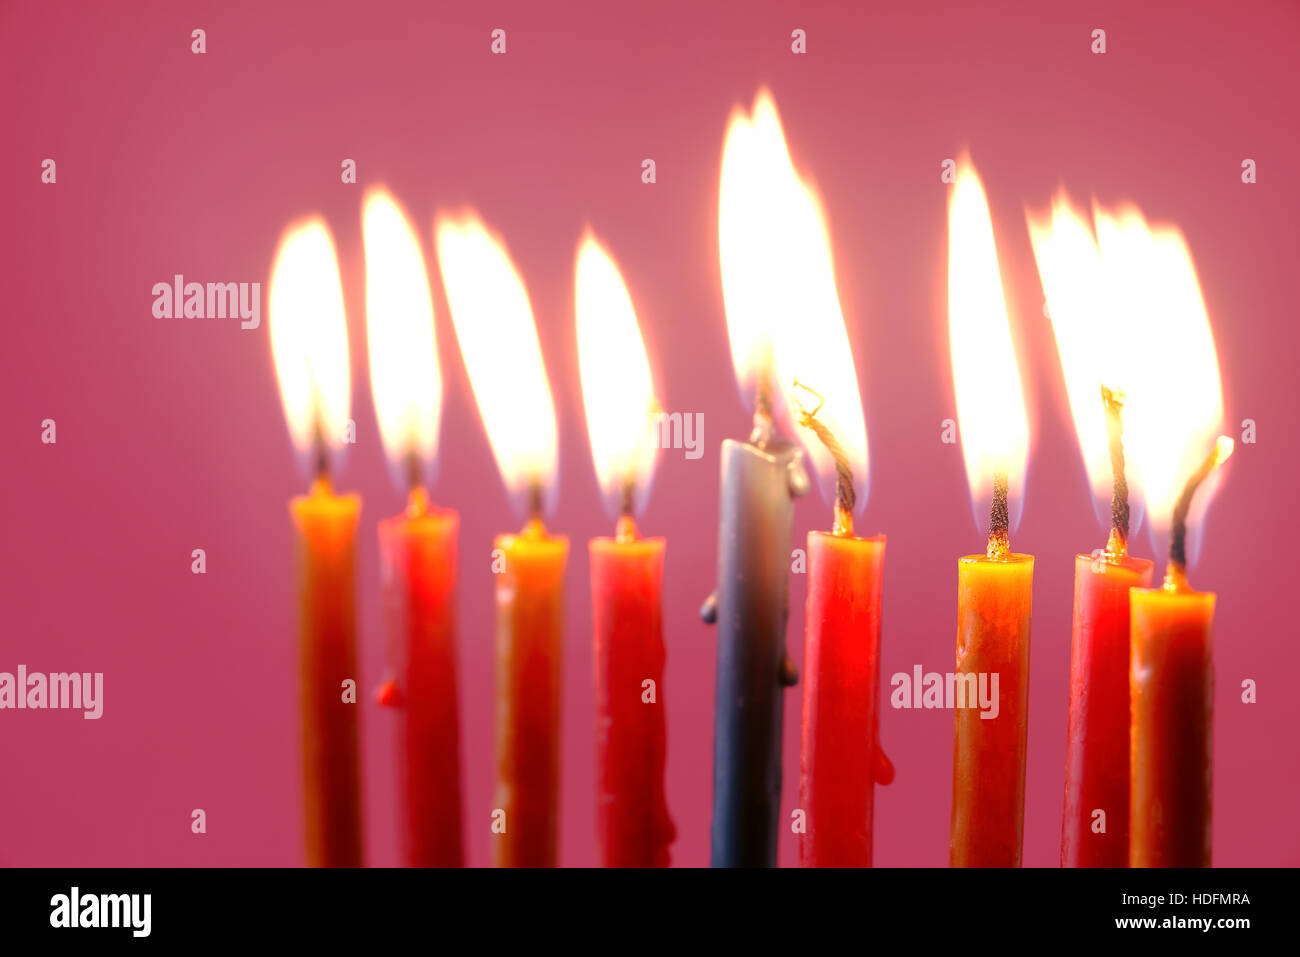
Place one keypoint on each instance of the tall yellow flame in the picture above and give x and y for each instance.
(1174, 410)
(498, 340)
(616, 388)
(784, 317)
(990, 403)
(404, 375)
(309, 336)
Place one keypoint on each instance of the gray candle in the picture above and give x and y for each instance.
(760, 479)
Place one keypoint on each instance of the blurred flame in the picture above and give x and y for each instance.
(309, 336)
(616, 388)
(404, 375)
(498, 340)
(990, 404)
(778, 284)
(1174, 407)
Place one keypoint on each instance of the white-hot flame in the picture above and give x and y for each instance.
(404, 375)
(1092, 335)
(622, 416)
(1174, 408)
(498, 340)
(990, 403)
(309, 336)
(783, 311)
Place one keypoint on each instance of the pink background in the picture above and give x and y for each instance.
(170, 433)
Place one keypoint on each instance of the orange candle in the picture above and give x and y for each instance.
(1172, 707)
(326, 526)
(529, 648)
(633, 827)
(988, 765)
(991, 682)
(498, 341)
(309, 346)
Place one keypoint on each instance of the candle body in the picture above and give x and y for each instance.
(419, 565)
(1172, 691)
(988, 774)
(1097, 743)
(325, 526)
(529, 645)
(632, 823)
(840, 699)
(751, 606)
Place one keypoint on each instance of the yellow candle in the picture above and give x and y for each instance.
(326, 526)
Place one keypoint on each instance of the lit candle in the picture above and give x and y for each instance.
(632, 823)
(760, 479)
(309, 346)
(498, 340)
(993, 589)
(841, 759)
(1094, 331)
(418, 546)
(1174, 412)
(1172, 689)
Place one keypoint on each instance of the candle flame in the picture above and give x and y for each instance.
(990, 404)
(404, 375)
(1173, 411)
(309, 337)
(498, 340)
(616, 388)
(1092, 330)
(778, 281)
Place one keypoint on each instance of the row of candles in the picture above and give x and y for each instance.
(1141, 664)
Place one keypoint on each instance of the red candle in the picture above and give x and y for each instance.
(418, 547)
(1094, 825)
(632, 823)
(840, 759)
(633, 826)
(1097, 744)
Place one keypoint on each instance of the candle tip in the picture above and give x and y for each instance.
(999, 547)
(1112, 401)
(1177, 571)
(845, 496)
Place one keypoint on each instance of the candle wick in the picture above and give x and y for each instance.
(1113, 402)
(999, 522)
(762, 433)
(1176, 573)
(320, 450)
(629, 497)
(535, 502)
(845, 497)
(414, 471)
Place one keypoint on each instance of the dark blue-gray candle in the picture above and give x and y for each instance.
(760, 480)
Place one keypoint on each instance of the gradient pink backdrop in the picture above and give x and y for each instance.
(170, 433)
